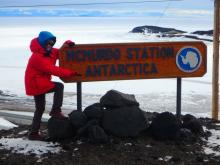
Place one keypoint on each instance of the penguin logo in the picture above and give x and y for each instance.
(188, 59)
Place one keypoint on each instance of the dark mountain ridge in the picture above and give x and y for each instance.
(172, 32)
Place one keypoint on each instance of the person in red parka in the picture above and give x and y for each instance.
(40, 68)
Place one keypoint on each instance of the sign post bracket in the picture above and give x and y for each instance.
(79, 95)
(178, 96)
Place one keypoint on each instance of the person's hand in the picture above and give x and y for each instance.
(70, 43)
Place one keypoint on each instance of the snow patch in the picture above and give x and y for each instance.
(27, 147)
(6, 125)
(213, 143)
(167, 158)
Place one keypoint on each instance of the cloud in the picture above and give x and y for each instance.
(77, 13)
(105, 13)
(191, 12)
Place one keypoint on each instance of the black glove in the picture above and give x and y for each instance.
(71, 44)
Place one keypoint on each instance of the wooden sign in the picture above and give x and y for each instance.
(125, 61)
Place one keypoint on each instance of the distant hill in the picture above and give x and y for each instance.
(171, 32)
(208, 32)
(156, 29)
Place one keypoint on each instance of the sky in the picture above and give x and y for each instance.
(98, 8)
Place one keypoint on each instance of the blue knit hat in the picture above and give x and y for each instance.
(44, 36)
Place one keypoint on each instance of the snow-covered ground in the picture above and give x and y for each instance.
(23, 145)
(213, 143)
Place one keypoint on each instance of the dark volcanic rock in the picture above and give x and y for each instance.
(78, 119)
(156, 29)
(208, 32)
(187, 118)
(60, 128)
(115, 98)
(186, 135)
(97, 134)
(193, 124)
(124, 121)
(93, 111)
(165, 126)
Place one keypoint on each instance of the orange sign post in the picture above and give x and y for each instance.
(126, 61)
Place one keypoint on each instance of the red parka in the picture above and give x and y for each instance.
(40, 69)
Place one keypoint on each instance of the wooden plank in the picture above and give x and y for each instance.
(215, 69)
(126, 61)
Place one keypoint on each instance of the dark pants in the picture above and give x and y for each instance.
(40, 103)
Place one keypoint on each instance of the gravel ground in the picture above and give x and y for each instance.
(119, 151)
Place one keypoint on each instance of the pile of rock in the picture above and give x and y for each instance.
(166, 126)
(118, 114)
